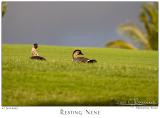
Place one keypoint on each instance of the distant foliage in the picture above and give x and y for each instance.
(120, 44)
(3, 8)
(148, 39)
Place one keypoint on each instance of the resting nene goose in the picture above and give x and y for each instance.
(78, 57)
(35, 55)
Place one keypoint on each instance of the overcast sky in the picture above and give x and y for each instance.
(67, 23)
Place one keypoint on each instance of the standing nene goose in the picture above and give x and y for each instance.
(78, 57)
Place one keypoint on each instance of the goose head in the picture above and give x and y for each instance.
(77, 53)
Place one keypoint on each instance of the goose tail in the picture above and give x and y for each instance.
(92, 61)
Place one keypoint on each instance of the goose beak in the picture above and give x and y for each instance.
(80, 53)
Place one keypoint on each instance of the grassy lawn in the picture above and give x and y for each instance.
(121, 77)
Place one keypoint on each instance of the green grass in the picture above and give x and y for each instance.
(121, 77)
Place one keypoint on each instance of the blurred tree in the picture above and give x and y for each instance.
(3, 8)
(148, 39)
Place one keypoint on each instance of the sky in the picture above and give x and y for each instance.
(90, 24)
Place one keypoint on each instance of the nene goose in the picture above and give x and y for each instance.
(78, 57)
(34, 52)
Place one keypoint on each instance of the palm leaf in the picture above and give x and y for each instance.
(120, 44)
(152, 12)
(132, 31)
(149, 17)
(3, 8)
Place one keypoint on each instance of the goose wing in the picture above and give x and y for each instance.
(81, 59)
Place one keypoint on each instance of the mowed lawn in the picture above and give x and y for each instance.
(120, 77)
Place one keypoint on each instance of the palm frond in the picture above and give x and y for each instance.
(120, 44)
(3, 8)
(132, 31)
(152, 12)
(149, 17)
